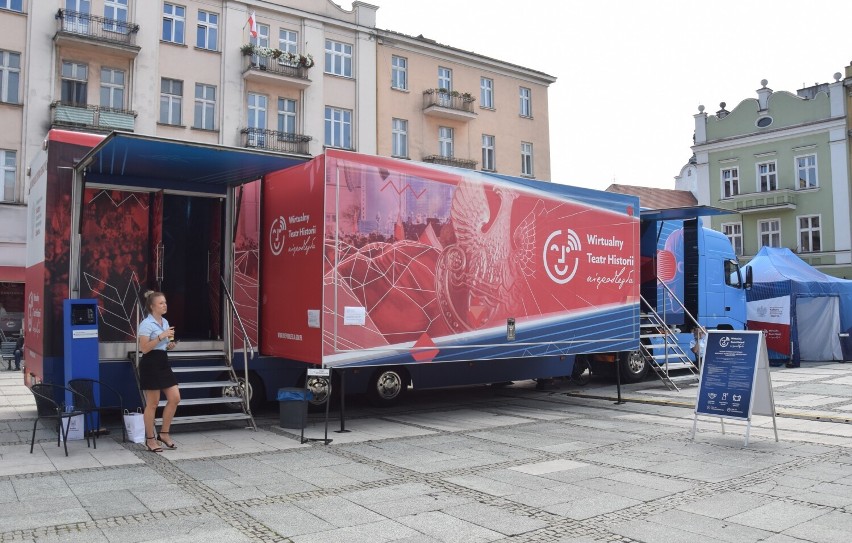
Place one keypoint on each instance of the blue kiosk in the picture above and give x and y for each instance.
(80, 320)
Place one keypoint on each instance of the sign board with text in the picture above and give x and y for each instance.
(735, 381)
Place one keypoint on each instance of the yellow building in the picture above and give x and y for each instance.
(444, 105)
(294, 77)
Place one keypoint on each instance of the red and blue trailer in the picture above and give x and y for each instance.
(391, 272)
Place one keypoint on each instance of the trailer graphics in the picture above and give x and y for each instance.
(423, 264)
(396, 273)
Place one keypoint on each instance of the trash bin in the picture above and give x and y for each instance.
(293, 407)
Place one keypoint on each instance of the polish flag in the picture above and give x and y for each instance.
(252, 25)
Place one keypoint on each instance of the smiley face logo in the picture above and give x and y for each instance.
(277, 235)
(559, 263)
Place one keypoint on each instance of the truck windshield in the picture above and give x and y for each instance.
(732, 274)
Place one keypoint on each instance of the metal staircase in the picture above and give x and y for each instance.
(210, 388)
(659, 346)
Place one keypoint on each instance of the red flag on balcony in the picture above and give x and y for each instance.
(252, 25)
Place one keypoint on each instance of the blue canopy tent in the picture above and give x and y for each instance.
(802, 310)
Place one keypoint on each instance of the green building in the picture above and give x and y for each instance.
(781, 161)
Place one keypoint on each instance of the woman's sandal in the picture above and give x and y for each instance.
(152, 449)
(170, 446)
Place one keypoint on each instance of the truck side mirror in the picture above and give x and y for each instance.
(749, 278)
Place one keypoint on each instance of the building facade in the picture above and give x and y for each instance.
(444, 105)
(780, 160)
(294, 77)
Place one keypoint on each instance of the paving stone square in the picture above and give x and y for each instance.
(471, 465)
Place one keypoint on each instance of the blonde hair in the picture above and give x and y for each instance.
(150, 296)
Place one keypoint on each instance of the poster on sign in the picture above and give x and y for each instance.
(735, 381)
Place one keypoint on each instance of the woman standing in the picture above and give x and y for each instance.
(156, 337)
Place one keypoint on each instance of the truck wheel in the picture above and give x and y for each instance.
(387, 386)
(634, 367)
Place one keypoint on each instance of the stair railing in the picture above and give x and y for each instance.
(138, 311)
(688, 314)
(671, 348)
(662, 327)
(247, 348)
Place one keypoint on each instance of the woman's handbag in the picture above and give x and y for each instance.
(134, 423)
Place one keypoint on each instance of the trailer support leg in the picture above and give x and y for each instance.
(342, 403)
(618, 379)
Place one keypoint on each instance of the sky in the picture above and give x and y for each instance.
(631, 73)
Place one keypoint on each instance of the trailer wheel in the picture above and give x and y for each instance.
(634, 367)
(320, 389)
(581, 373)
(387, 386)
(255, 390)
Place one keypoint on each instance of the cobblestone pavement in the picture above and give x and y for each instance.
(470, 465)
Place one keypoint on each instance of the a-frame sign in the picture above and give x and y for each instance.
(735, 381)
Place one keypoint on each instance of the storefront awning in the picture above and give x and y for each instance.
(124, 159)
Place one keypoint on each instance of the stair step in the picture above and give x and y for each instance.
(683, 378)
(675, 364)
(186, 369)
(204, 401)
(670, 345)
(177, 354)
(219, 417)
(673, 357)
(208, 384)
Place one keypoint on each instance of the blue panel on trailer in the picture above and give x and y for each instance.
(611, 200)
(144, 161)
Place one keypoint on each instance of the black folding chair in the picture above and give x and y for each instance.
(110, 399)
(49, 408)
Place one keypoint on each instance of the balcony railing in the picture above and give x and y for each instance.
(275, 66)
(92, 117)
(753, 202)
(448, 100)
(273, 140)
(97, 28)
(451, 161)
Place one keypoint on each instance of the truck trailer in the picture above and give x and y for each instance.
(390, 272)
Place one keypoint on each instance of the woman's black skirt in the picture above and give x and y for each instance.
(155, 372)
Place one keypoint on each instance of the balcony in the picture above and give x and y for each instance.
(451, 161)
(756, 202)
(448, 105)
(76, 28)
(273, 140)
(266, 65)
(94, 118)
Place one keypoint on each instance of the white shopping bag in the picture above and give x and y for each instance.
(75, 430)
(135, 426)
